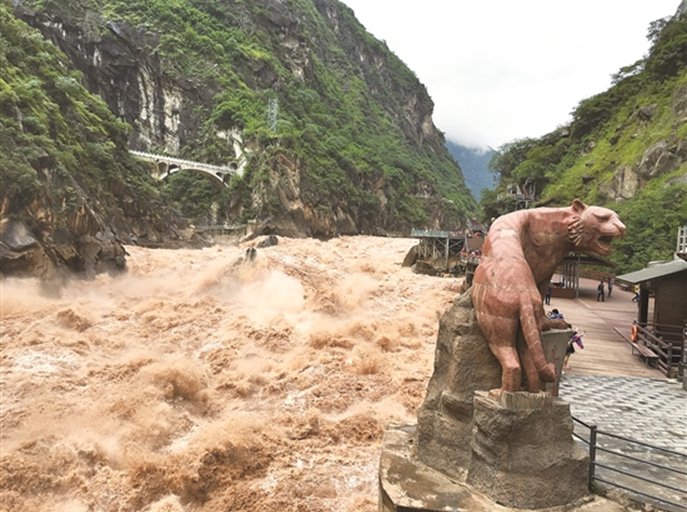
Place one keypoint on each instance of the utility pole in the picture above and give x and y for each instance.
(272, 113)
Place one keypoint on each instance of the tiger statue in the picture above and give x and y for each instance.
(520, 255)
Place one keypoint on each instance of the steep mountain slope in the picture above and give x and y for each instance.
(475, 166)
(68, 189)
(332, 132)
(626, 148)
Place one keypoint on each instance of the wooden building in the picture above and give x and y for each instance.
(666, 283)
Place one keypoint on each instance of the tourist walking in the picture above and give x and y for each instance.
(636, 292)
(610, 286)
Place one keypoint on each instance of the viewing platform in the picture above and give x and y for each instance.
(449, 251)
(605, 351)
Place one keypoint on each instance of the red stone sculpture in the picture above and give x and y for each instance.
(520, 255)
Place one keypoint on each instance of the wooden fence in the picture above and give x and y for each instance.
(659, 345)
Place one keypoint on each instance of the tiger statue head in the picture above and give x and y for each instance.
(593, 228)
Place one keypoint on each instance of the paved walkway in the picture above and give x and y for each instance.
(653, 411)
(605, 352)
(648, 410)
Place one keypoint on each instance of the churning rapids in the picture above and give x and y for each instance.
(197, 382)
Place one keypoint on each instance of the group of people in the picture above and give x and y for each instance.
(472, 253)
(600, 290)
(601, 295)
(575, 341)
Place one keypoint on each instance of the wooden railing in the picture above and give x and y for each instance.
(658, 345)
(666, 341)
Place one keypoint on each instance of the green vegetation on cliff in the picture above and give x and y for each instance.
(61, 148)
(626, 148)
(349, 118)
(47, 119)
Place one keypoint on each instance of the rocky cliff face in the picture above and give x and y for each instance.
(38, 244)
(70, 194)
(660, 158)
(352, 149)
(120, 65)
(414, 106)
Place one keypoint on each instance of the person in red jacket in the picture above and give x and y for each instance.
(634, 332)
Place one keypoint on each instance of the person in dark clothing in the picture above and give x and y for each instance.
(556, 315)
(610, 286)
(547, 297)
(600, 292)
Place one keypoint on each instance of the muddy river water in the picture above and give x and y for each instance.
(201, 382)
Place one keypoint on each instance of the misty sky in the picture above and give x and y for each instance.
(498, 70)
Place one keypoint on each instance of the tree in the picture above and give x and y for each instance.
(510, 155)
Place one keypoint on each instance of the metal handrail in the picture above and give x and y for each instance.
(636, 459)
(594, 432)
(641, 443)
(640, 493)
(582, 422)
(683, 491)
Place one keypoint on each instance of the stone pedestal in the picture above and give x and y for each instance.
(464, 364)
(408, 485)
(523, 453)
(476, 451)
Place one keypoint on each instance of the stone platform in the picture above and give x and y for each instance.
(408, 485)
(521, 454)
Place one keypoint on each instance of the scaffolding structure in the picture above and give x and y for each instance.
(438, 246)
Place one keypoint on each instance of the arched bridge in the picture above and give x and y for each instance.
(166, 166)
